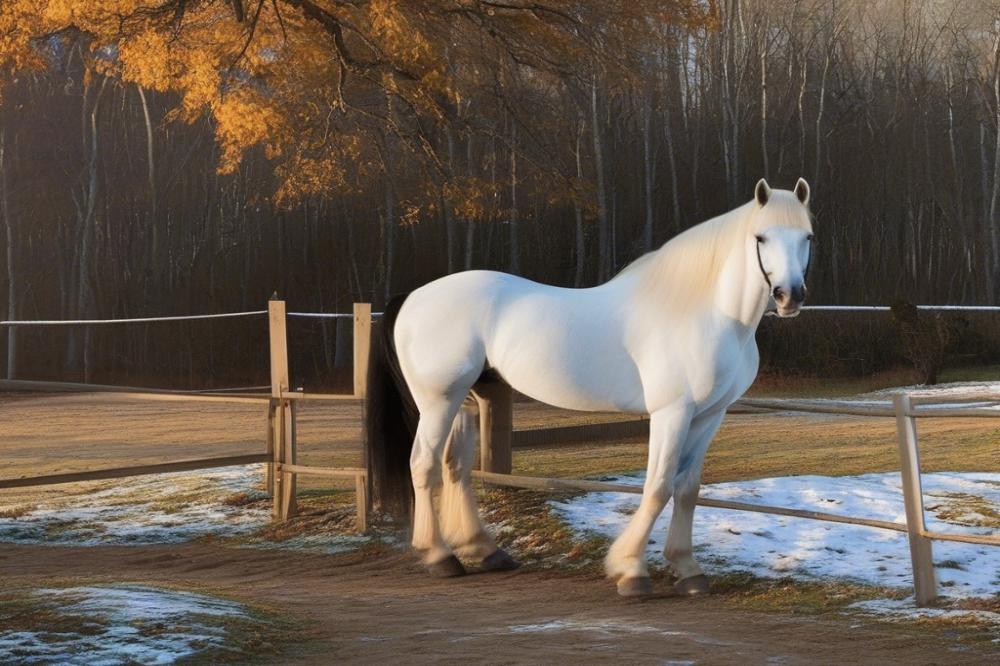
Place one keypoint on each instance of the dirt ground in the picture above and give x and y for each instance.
(382, 609)
(378, 606)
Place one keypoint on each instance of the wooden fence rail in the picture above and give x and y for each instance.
(133, 470)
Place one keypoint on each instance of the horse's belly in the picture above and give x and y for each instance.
(574, 387)
(564, 358)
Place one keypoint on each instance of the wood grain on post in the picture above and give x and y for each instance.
(278, 342)
(289, 507)
(496, 426)
(362, 345)
(361, 500)
(924, 580)
(269, 450)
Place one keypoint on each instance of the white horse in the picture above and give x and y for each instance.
(671, 336)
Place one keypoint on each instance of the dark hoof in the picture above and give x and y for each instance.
(635, 587)
(500, 561)
(449, 567)
(693, 586)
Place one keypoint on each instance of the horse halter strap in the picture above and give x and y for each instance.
(805, 273)
(760, 262)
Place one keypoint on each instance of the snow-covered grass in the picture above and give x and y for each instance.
(779, 546)
(903, 609)
(164, 508)
(947, 391)
(176, 508)
(123, 624)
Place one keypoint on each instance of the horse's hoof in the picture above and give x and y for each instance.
(500, 561)
(449, 567)
(692, 586)
(635, 586)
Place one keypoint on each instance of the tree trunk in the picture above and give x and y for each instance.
(449, 216)
(88, 228)
(390, 239)
(9, 238)
(763, 104)
(581, 254)
(648, 165)
(603, 237)
(515, 253)
(994, 223)
(470, 227)
(819, 113)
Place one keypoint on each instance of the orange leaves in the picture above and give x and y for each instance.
(146, 60)
(317, 84)
(319, 172)
(244, 119)
(472, 198)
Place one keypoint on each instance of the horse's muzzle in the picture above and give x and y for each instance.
(789, 302)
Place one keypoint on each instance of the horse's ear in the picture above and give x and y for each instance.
(762, 192)
(802, 191)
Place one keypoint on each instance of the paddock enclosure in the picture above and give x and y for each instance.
(281, 411)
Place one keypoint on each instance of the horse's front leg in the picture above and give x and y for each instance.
(678, 551)
(626, 559)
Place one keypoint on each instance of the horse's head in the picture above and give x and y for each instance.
(781, 243)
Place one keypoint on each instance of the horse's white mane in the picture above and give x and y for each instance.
(686, 268)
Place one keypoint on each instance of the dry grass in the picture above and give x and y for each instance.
(752, 446)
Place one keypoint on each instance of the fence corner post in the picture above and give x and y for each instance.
(362, 345)
(921, 556)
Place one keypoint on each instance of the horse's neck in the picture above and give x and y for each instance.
(736, 296)
(740, 294)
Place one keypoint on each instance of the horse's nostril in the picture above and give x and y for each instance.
(779, 293)
(799, 293)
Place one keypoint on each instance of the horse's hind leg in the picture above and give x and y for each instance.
(460, 521)
(435, 424)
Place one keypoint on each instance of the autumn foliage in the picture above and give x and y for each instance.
(318, 85)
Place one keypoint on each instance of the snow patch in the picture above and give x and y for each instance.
(951, 390)
(124, 624)
(776, 546)
(905, 609)
(606, 627)
(164, 508)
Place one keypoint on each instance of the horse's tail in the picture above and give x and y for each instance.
(390, 421)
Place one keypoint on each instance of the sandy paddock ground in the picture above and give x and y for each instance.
(377, 605)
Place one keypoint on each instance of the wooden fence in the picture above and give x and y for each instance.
(279, 456)
(497, 437)
(903, 408)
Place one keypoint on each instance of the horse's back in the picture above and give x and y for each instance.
(561, 346)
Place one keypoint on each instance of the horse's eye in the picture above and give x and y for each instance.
(761, 239)
(810, 238)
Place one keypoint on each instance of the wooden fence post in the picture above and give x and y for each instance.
(496, 426)
(361, 501)
(269, 449)
(924, 580)
(288, 456)
(362, 344)
(282, 484)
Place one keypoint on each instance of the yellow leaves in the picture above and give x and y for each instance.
(471, 198)
(146, 60)
(320, 88)
(244, 119)
(304, 174)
